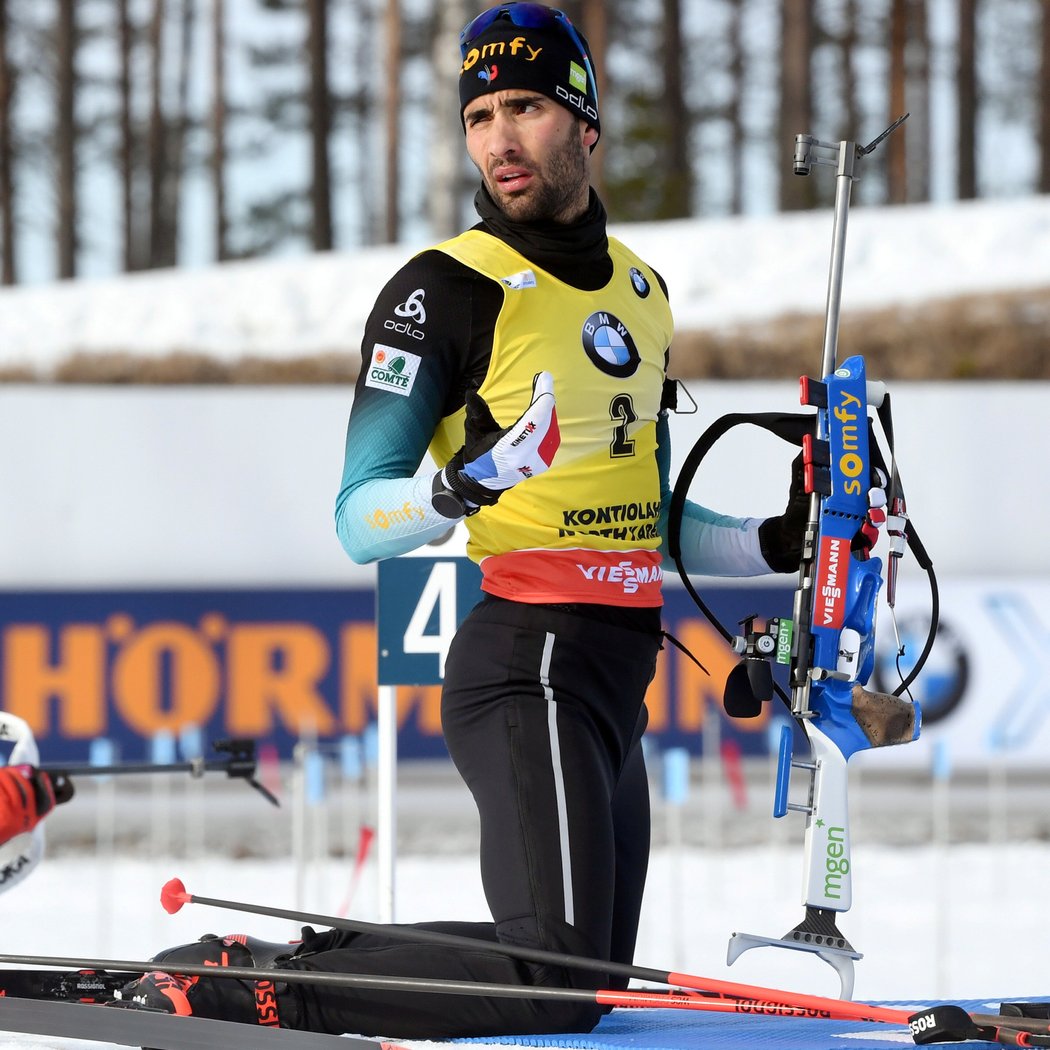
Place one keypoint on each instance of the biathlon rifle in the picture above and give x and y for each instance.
(829, 642)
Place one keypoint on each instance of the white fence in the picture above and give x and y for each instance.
(190, 486)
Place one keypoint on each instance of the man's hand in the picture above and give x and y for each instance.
(494, 458)
(780, 537)
(27, 795)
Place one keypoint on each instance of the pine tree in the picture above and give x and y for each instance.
(1044, 99)
(66, 137)
(966, 91)
(7, 187)
(797, 34)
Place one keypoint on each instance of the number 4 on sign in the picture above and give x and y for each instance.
(419, 603)
(438, 593)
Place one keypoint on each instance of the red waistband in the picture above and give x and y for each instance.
(575, 575)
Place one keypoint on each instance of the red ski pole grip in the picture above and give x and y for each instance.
(173, 896)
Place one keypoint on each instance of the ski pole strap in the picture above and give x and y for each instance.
(952, 1024)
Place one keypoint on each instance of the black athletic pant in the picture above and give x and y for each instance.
(542, 712)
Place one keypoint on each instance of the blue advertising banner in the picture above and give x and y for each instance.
(126, 666)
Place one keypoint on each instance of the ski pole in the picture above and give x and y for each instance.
(641, 998)
(174, 895)
(935, 1024)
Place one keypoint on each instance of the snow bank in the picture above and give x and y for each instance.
(720, 272)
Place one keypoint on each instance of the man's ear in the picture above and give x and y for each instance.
(590, 137)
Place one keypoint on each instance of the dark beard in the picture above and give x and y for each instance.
(577, 252)
(556, 197)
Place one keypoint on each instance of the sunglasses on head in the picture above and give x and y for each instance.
(528, 16)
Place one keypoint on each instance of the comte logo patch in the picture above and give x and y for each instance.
(392, 369)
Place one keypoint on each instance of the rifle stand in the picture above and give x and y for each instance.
(827, 867)
(817, 933)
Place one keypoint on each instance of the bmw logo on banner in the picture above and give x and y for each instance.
(944, 679)
(609, 345)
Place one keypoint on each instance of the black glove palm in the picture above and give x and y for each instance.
(780, 538)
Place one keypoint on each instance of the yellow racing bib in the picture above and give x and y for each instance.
(586, 530)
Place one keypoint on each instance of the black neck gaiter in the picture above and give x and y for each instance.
(576, 253)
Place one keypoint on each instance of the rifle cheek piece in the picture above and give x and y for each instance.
(884, 718)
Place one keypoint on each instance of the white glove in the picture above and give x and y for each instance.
(494, 458)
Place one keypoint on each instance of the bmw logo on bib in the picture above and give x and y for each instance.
(609, 345)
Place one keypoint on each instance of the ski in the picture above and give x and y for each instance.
(74, 986)
(160, 1031)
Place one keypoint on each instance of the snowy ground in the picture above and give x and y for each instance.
(933, 923)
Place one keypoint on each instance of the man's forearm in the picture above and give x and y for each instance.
(387, 517)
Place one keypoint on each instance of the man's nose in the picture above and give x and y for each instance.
(503, 137)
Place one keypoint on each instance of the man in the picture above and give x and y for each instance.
(528, 355)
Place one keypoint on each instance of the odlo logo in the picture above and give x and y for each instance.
(577, 102)
(412, 309)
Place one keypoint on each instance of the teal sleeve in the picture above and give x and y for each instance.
(385, 518)
(712, 544)
(406, 386)
(425, 342)
(384, 507)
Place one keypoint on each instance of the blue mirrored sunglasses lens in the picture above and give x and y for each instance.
(527, 16)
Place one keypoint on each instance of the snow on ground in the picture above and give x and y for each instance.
(719, 271)
(933, 922)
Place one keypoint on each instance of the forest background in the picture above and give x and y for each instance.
(154, 134)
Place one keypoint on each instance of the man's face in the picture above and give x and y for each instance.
(532, 154)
